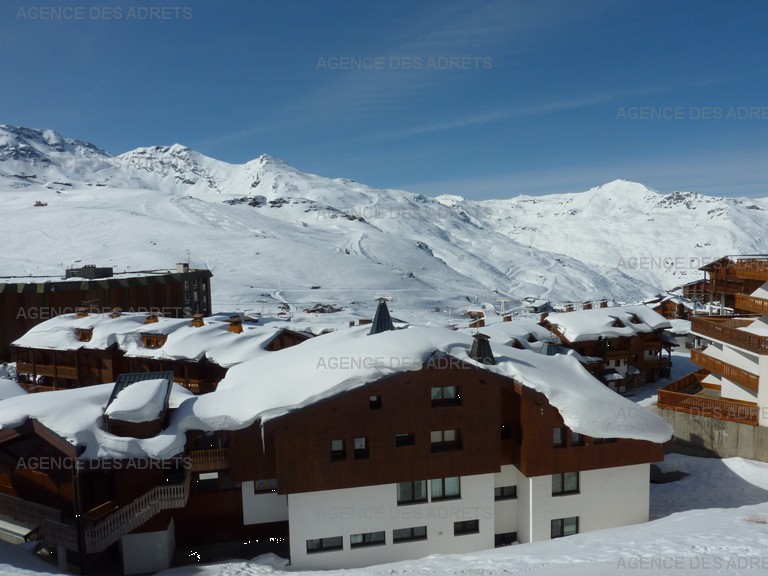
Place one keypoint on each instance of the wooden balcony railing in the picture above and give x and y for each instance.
(754, 269)
(727, 330)
(671, 398)
(738, 375)
(49, 370)
(728, 286)
(26, 511)
(209, 459)
(752, 303)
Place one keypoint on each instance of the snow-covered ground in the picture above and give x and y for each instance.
(271, 233)
(713, 521)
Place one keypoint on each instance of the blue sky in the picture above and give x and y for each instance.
(483, 99)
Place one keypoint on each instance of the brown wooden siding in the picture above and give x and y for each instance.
(303, 438)
(539, 456)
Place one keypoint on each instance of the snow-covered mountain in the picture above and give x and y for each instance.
(264, 227)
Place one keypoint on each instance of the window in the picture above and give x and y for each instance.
(84, 334)
(577, 439)
(325, 544)
(409, 534)
(558, 437)
(361, 448)
(405, 439)
(374, 402)
(603, 440)
(565, 526)
(504, 539)
(505, 493)
(466, 527)
(153, 340)
(411, 492)
(445, 488)
(446, 395)
(445, 440)
(567, 483)
(338, 450)
(267, 485)
(366, 539)
(506, 431)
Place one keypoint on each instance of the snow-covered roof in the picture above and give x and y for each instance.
(142, 401)
(184, 342)
(585, 325)
(520, 331)
(326, 366)
(9, 389)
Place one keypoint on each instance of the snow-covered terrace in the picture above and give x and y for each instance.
(586, 325)
(271, 385)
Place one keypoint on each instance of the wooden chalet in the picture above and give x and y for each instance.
(625, 346)
(731, 350)
(27, 301)
(62, 353)
(457, 454)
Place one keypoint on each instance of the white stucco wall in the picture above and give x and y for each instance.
(607, 498)
(263, 507)
(506, 514)
(374, 508)
(148, 552)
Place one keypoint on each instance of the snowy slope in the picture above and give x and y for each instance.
(659, 238)
(265, 228)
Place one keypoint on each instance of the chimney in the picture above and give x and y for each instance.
(197, 320)
(182, 267)
(382, 321)
(235, 324)
(116, 312)
(507, 318)
(603, 303)
(587, 306)
(481, 349)
(151, 318)
(81, 312)
(479, 323)
(569, 307)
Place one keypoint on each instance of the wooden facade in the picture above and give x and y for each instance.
(648, 353)
(24, 304)
(499, 422)
(727, 279)
(404, 419)
(46, 369)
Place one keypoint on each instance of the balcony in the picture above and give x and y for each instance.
(688, 395)
(734, 374)
(731, 287)
(754, 269)
(210, 459)
(49, 370)
(727, 330)
(752, 304)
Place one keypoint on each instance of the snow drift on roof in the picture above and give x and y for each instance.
(184, 342)
(274, 384)
(141, 401)
(585, 325)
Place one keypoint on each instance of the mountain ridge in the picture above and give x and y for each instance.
(265, 223)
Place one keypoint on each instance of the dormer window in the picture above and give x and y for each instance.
(84, 334)
(617, 323)
(153, 340)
